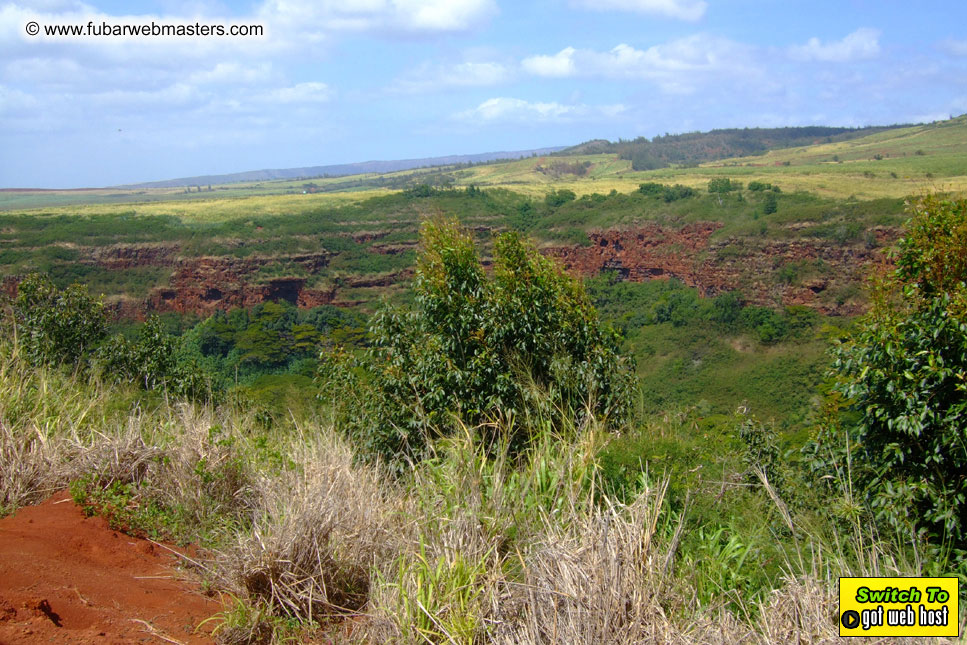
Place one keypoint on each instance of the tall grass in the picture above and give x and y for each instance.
(474, 544)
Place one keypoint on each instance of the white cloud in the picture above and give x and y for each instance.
(431, 78)
(681, 9)
(677, 66)
(311, 92)
(511, 110)
(859, 45)
(954, 47)
(232, 73)
(317, 18)
(560, 65)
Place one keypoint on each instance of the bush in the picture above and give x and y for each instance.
(651, 188)
(770, 204)
(769, 326)
(723, 185)
(900, 383)
(560, 197)
(676, 192)
(525, 341)
(153, 362)
(57, 327)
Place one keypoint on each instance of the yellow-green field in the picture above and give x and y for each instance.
(895, 163)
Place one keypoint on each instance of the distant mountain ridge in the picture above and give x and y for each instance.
(339, 170)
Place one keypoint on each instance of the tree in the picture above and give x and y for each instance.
(651, 188)
(901, 379)
(723, 185)
(525, 340)
(560, 197)
(770, 204)
(57, 326)
(153, 361)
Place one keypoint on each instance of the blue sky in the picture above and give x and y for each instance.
(335, 82)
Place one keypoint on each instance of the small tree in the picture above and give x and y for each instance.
(903, 376)
(57, 326)
(770, 204)
(723, 185)
(523, 341)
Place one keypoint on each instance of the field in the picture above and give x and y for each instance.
(896, 163)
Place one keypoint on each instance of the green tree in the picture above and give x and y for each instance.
(58, 326)
(525, 340)
(901, 379)
(154, 361)
(770, 204)
(560, 197)
(723, 185)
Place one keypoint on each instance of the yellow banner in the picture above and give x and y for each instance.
(899, 607)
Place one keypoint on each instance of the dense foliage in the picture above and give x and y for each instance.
(523, 341)
(55, 326)
(196, 360)
(903, 376)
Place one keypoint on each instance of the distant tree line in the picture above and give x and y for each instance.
(693, 148)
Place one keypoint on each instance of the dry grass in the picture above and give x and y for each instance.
(317, 531)
(470, 546)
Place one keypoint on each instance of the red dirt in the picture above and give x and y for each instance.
(66, 578)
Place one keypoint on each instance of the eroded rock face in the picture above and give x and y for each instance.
(818, 273)
(127, 256)
(747, 265)
(203, 285)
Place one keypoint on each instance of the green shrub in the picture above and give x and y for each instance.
(900, 386)
(652, 189)
(153, 361)
(676, 192)
(57, 326)
(560, 197)
(525, 341)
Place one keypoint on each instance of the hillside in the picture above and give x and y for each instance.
(459, 401)
(804, 228)
(339, 170)
(699, 147)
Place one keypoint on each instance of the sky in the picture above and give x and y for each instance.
(355, 80)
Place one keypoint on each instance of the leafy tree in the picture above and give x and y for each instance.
(560, 197)
(651, 188)
(676, 192)
(153, 361)
(726, 308)
(55, 326)
(901, 382)
(525, 340)
(723, 185)
(770, 204)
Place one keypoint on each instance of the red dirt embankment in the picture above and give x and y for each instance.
(66, 578)
(747, 265)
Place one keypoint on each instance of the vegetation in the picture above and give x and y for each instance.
(57, 327)
(696, 147)
(479, 459)
(900, 387)
(526, 342)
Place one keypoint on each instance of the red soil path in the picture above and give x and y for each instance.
(66, 578)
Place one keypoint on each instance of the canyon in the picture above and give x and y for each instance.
(813, 272)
